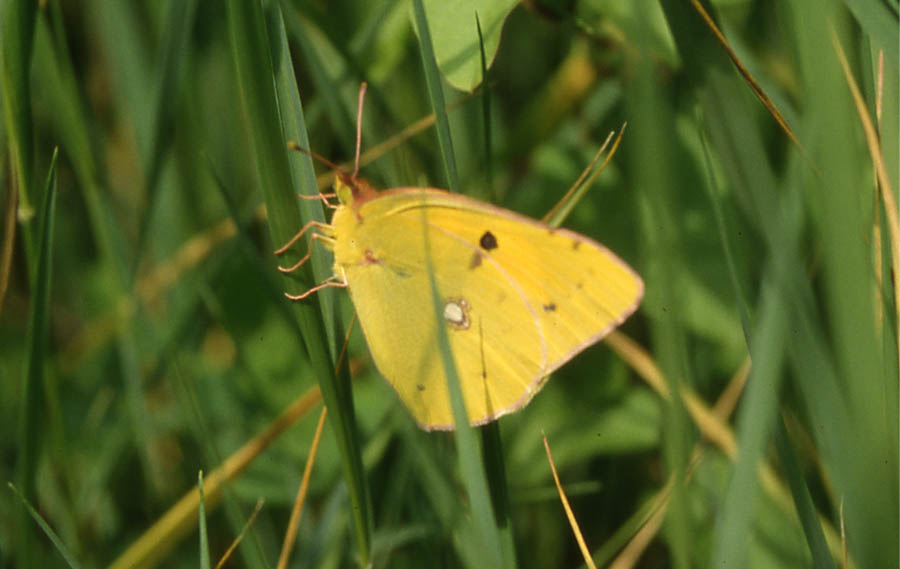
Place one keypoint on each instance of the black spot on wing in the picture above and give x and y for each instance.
(550, 307)
(488, 241)
(420, 387)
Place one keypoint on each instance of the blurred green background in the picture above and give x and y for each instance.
(144, 336)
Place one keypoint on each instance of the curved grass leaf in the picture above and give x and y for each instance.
(460, 49)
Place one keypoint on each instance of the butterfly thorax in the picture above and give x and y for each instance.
(352, 193)
(344, 224)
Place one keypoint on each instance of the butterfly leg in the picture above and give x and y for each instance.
(298, 264)
(320, 196)
(333, 282)
(286, 246)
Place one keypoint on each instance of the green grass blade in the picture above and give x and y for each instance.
(17, 18)
(879, 20)
(36, 354)
(652, 120)
(798, 487)
(486, 113)
(303, 174)
(495, 469)
(48, 531)
(712, 188)
(204, 539)
(436, 93)
(74, 125)
(868, 443)
(738, 143)
(809, 518)
(754, 425)
(179, 22)
(253, 61)
(328, 71)
(79, 144)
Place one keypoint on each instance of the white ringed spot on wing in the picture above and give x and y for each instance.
(456, 313)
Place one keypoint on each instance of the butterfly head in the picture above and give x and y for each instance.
(351, 190)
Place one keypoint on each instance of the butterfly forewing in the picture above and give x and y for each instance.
(496, 342)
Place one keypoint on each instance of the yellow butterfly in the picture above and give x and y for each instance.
(519, 297)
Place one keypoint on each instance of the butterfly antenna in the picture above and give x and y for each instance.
(359, 110)
(313, 154)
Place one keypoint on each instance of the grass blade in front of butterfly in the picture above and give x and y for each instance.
(486, 538)
(250, 50)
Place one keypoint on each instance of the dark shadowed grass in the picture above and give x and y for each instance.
(35, 383)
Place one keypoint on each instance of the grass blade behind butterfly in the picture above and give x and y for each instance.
(436, 92)
(253, 59)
